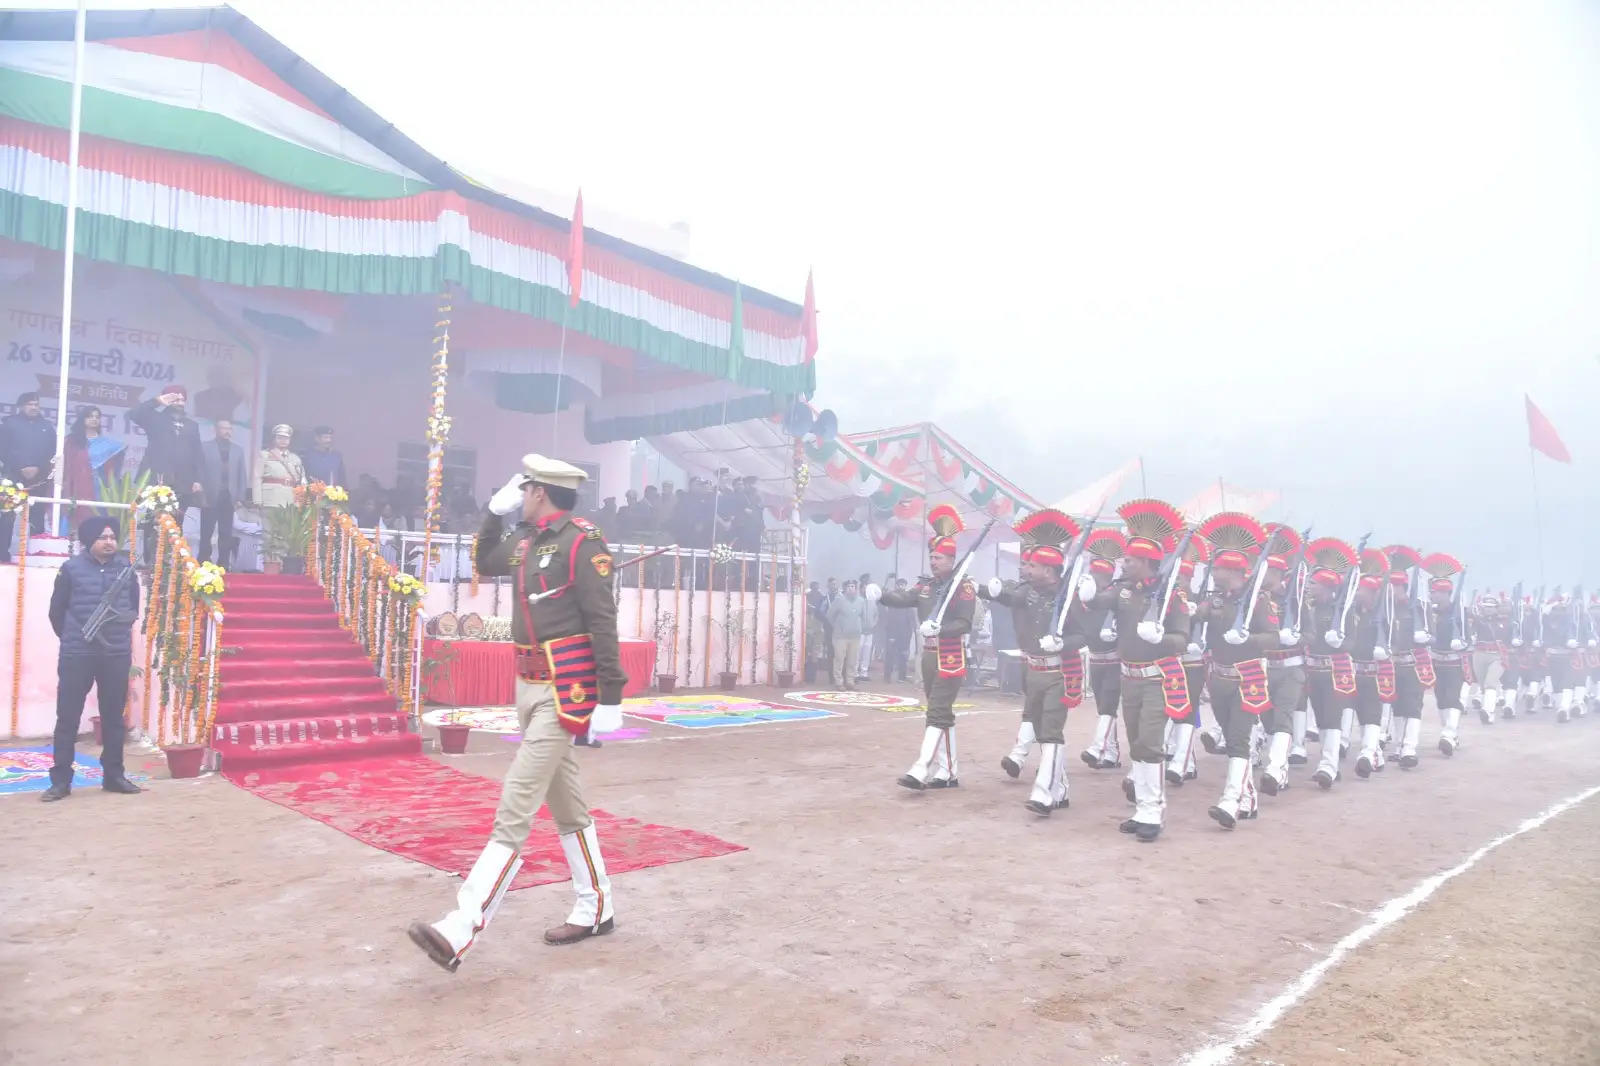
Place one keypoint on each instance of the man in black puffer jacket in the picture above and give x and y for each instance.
(88, 581)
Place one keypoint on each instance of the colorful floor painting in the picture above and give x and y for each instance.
(28, 770)
(714, 711)
(504, 720)
(857, 699)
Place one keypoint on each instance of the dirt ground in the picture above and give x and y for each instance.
(865, 925)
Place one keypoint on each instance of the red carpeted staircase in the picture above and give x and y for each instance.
(295, 687)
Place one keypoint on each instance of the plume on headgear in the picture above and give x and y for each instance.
(1402, 557)
(1105, 546)
(1282, 541)
(1151, 525)
(1442, 567)
(1374, 568)
(1332, 558)
(1197, 552)
(1235, 536)
(1043, 533)
(1440, 564)
(946, 523)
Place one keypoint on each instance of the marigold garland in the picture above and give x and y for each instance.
(438, 428)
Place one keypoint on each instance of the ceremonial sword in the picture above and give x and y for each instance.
(960, 572)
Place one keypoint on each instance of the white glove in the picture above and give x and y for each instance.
(1517, 643)
(1288, 637)
(1458, 645)
(872, 592)
(1087, 589)
(1236, 636)
(1592, 642)
(1421, 636)
(508, 497)
(1572, 643)
(1195, 649)
(1538, 644)
(1381, 654)
(1050, 645)
(996, 587)
(606, 718)
(1333, 638)
(1150, 632)
(930, 628)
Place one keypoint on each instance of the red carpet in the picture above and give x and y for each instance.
(419, 809)
(295, 687)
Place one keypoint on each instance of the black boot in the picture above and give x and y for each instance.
(120, 783)
(55, 792)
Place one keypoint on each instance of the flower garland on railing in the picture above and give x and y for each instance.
(376, 604)
(14, 500)
(184, 597)
(438, 427)
(154, 501)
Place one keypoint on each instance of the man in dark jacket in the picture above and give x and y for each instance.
(224, 487)
(27, 442)
(172, 452)
(95, 586)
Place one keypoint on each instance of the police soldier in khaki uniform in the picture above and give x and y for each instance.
(944, 652)
(564, 622)
(1033, 609)
(1491, 648)
(1149, 648)
(1451, 660)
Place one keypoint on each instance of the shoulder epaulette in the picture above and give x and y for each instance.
(590, 530)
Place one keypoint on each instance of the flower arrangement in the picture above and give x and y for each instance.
(13, 497)
(438, 429)
(802, 476)
(722, 554)
(406, 587)
(336, 495)
(207, 582)
(155, 500)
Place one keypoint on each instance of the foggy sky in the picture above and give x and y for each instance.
(1320, 248)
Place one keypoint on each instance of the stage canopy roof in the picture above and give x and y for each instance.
(882, 480)
(213, 153)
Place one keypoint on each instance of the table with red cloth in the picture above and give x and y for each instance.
(479, 673)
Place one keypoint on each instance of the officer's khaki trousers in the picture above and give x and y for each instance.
(544, 771)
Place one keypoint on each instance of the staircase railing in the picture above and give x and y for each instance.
(183, 640)
(378, 605)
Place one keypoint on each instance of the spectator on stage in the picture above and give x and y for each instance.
(899, 627)
(366, 500)
(606, 517)
(751, 521)
(27, 444)
(322, 462)
(281, 471)
(171, 451)
(223, 488)
(93, 582)
(90, 458)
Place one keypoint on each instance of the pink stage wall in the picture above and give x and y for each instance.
(37, 707)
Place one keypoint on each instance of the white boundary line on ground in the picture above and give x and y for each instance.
(1380, 919)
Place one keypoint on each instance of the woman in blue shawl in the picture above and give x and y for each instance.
(92, 459)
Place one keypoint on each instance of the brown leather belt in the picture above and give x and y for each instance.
(532, 664)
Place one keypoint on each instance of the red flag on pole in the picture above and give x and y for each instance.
(575, 254)
(808, 321)
(1542, 436)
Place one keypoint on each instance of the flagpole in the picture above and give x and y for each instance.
(1538, 519)
(68, 256)
(555, 412)
(1143, 491)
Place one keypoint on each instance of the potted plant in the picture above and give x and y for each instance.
(288, 536)
(732, 626)
(453, 737)
(666, 636)
(784, 653)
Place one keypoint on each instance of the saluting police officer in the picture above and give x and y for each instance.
(564, 623)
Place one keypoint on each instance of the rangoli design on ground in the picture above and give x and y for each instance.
(857, 699)
(713, 710)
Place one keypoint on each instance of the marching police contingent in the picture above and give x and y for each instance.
(1293, 642)
(1275, 631)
